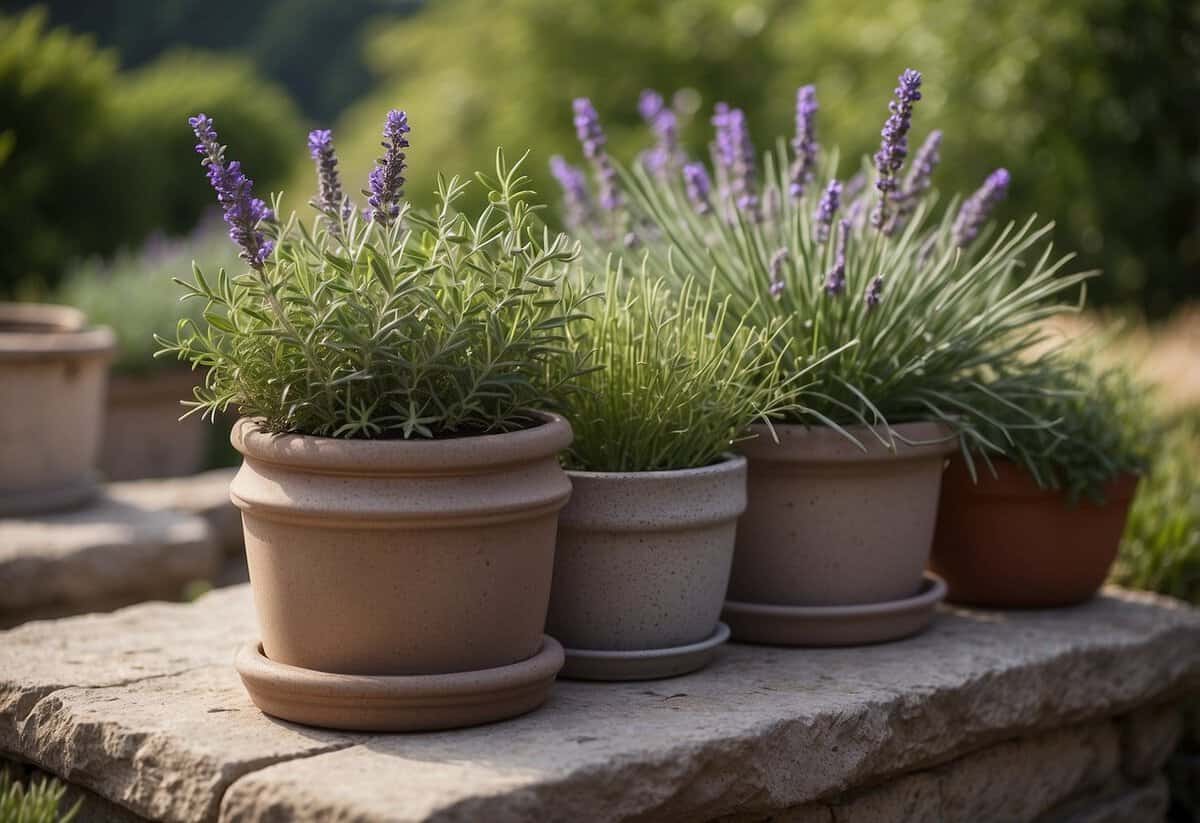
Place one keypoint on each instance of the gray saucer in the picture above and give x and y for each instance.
(835, 625)
(644, 664)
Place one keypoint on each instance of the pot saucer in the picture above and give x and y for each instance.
(405, 703)
(643, 664)
(835, 625)
(50, 501)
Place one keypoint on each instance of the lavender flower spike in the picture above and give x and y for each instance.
(387, 178)
(974, 212)
(826, 209)
(916, 182)
(804, 144)
(735, 153)
(835, 281)
(660, 159)
(775, 268)
(874, 292)
(698, 186)
(591, 137)
(577, 201)
(243, 213)
(330, 199)
(894, 146)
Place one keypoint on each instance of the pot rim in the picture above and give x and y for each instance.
(1013, 482)
(46, 330)
(728, 463)
(802, 443)
(448, 456)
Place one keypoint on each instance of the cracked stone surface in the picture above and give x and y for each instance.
(108, 554)
(143, 708)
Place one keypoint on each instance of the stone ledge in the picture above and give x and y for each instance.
(143, 708)
(108, 554)
(205, 494)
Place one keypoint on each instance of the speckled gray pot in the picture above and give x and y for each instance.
(643, 558)
(828, 524)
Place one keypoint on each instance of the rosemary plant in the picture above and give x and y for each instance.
(387, 322)
(677, 379)
(937, 302)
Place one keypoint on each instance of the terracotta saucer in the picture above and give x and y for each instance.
(48, 501)
(835, 625)
(643, 664)
(409, 703)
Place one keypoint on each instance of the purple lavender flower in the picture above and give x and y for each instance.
(735, 153)
(974, 212)
(243, 213)
(894, 146)
(835, 281)
(916, 182)
(330, 199)
(804, 144)
(577, 201)
(775, 268)
(386, 180)
(698, 186)
(874, 292)
(826, 209)
(660, 159)
(591, 137)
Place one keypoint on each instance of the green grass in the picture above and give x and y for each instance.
(37, 802)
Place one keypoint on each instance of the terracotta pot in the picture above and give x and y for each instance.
(401, 557)
(1008, 543)
(143, 435)
(53, 371)
(829, 524)
(643, 557)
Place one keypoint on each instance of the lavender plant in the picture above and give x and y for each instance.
(387, 322)
(938, 301)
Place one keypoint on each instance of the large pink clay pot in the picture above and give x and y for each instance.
(401, 557)
(831, 524)
(53, 370)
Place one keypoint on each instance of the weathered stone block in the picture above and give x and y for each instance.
(1148, 736)
(205, 495)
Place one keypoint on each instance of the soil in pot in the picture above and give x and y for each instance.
(143, 435)
(1007, 543)
(54, 370)
(829, 524)
(641, 569)
(401, 558)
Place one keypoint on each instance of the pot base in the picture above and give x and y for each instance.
(410, 703)
(643, 664)
(44, 501)
(835, 625)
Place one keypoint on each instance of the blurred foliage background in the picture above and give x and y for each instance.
(1090, 103)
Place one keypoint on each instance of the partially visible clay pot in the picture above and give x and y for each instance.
(401, 557)
(143, 435)
(829, 524)
(53, 371)
(643, 557)
(1008, 543)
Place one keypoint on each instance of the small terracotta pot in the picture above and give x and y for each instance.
(1008, 543)
(143, 435)
(829, 524)
(53, 370)
(643, 557)
(401, 557)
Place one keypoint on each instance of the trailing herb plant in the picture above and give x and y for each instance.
(386, 322)
(937, 302)
(676, 379)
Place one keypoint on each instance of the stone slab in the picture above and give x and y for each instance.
(143, 708)
(110, 553)
(205, 494)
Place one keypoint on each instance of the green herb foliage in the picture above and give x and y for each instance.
(437, 325)
(678, 379)
(948, 317)
(36, 803)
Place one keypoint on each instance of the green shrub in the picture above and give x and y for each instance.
(133, 293)
(38, 802)
(1090, 103)
(1161, 547)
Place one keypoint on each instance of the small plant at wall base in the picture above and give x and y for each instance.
(386, 323)
(935, 302)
